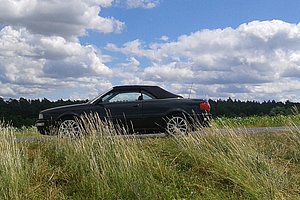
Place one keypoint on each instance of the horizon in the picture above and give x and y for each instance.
(221, 49)
(220, 99)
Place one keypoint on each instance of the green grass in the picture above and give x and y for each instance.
(258, 121)
(211, 164)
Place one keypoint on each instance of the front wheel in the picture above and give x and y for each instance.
(177, 124)
(69, 127)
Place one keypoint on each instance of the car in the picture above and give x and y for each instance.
(139, 108)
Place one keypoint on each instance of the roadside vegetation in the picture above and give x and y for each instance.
(209, 164)
(258, 121)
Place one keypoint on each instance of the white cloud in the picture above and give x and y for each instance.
(164, 38)
(128, 71)
(6, 90)
(146, 4)
(40, 51)
(68, 19)
(88, 88)
(169, 72)
(244, 62)
(137, 48)
(131, 65)
(30, 62)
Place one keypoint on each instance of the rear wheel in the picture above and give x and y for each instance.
(69, 127)
(177, 124)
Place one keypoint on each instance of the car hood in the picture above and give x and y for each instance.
(67, 107)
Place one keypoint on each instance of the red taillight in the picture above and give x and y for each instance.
(205, 106)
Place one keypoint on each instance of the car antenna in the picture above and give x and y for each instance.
(191, 90)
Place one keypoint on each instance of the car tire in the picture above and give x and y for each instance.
(177, 124)
(69, 128)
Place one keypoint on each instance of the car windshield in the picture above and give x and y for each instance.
(96, 98)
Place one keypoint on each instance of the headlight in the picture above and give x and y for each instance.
(41, 116)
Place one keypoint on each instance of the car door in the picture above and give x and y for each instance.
(124, 108)
(153, 111)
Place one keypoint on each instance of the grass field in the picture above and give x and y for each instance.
(209, 164)
(258, 121)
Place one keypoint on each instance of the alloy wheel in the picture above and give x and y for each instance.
(177, 124)
(69, 127)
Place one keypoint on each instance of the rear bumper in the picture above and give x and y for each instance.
(206, 116)
(202, 119)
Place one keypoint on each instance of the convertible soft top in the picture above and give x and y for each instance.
(155, 91)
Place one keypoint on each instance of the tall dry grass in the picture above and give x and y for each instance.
(208, 164)
(13, 173)
(241, 165)
(96, 166)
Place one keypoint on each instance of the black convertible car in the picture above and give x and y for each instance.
(141, 108)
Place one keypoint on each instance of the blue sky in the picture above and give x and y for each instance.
(178, 17)
(248, 50)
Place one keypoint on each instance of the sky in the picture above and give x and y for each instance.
(213, 49)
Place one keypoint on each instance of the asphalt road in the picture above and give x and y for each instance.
(158, 135)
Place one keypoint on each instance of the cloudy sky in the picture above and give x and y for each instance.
(248, 50)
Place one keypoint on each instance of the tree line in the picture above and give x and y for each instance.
(24, 112)
(237, 108)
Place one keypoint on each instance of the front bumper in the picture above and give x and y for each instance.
(43, 126)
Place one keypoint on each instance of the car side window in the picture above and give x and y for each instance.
(125, 97)
(146, 97)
